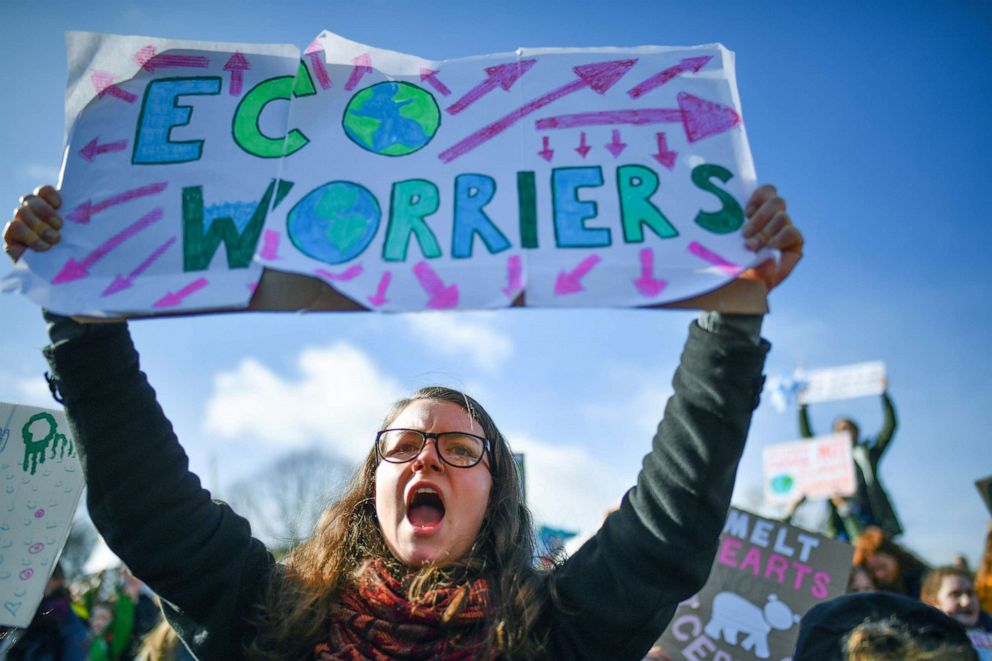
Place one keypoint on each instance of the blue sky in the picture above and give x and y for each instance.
(871, 120)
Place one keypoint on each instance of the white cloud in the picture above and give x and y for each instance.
(41, 173)
(463, 335)
(337, 399)
(30, 391)
(636, 404)
(35, 391)
(567, 486)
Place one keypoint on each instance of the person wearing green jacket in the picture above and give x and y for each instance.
(111, 625)
(870, 504)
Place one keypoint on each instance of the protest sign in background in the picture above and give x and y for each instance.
(41, 481)
(847, 382)
(545, 177)
(766, 576)
(818, 467)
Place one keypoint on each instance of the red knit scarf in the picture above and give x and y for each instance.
(374, 619)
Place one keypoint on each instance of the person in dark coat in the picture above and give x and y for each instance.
(870, 505)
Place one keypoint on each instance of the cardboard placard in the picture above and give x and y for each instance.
(847, 382)
(41, 480)
(358, 178)
(818, 467)
(766, 576)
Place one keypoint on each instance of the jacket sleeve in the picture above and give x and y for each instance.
(152, 511)
(621, 588)
(888, 430)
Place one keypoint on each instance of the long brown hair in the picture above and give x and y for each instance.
(910, 569)
(293, 618)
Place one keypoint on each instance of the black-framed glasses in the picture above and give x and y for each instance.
(456, 448)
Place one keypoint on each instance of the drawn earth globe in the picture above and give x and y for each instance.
(334, 222)
(782, 483)
(391, 118)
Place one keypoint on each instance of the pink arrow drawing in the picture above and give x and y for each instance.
(503, 75)
(349, 274)
(583, 147)
(700, 118)
(600, 77)
(237, 65)
(547, 153)
(430, 76)
(171, 300)
(713, 258)
(93, 148)
(363, 65)
(150, 62)
(571, 282)
(664, 156)
(693, 64)
(514, 279)
(85, 211)
(120, 284)
(379, 298)
(441, 296)
(270, 246)
(103, 82)
(315, 53)
(647, 284)
(614, 146)
(73, 270)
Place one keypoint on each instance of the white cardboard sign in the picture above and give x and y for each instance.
(819, 467)
(847, 382)
(41, 480)
(556, 177)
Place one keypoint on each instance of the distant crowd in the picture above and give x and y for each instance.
(107, 616)
(893, 597)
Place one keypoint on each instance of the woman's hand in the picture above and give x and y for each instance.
(35, 223)
(769, 226)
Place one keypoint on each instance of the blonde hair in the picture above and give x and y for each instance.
(159, 644)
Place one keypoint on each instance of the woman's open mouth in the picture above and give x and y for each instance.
(426, 508)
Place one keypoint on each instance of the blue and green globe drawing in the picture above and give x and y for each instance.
(782, 483)
(334, 222)
(392, 118)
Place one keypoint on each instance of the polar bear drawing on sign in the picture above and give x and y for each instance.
(733, 615)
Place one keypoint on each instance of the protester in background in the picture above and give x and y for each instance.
(147, 613)
(892, 568)
(111, 626)
(56, 633)
(430, 552)
(859, 581)
(983, 577)
(840, 514)
(952, 591)
(870, 504)
(880, 626)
